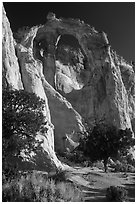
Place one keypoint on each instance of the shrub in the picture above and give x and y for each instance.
(69, 192)
(98, 165)
(77, 157)
(129, 158)
(37, 188)
(122, 167)
(22, 119)
(131, 168)
(104, 141)
(116, 194)
(59, 176)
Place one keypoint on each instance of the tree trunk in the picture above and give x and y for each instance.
(105, 164)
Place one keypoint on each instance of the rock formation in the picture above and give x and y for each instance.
(28, 79)
(10, 67)
(73, 68)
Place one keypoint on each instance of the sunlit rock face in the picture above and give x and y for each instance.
(37, 56)
(128, 78)
(79, 63)
(25, 74)
(10, 72)
(74, 67)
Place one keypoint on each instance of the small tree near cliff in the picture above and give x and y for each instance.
(22, 118)
(106, 141)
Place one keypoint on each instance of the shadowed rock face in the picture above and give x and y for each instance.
(71, 66)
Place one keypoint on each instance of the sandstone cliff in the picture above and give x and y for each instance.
(28, 79)
(73, 68)
(10, 67)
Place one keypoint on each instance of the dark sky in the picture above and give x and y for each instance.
(117, 19)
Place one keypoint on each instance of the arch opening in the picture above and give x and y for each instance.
(70, 40)
(69, 51)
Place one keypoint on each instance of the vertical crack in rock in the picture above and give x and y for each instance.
(20, 71)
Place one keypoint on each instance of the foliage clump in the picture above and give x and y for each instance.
(103, 142)
(124, 167)
(116, 194)
(39, 188)
(22, 119)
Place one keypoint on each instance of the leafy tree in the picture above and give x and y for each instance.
(22, 118)
(106, 141)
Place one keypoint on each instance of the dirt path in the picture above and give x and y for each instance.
(94, 183)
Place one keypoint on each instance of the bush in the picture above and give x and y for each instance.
(116, 194)
(22, 119)
(123, 167)
(75, 157)
(98, 165)
(131, 168)
(59, 176)
(37, 188)
(128, 158)
(104, 141)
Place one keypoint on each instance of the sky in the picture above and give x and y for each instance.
(117, 19)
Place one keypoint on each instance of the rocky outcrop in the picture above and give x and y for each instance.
(128, 78)
(66, 120)
(79, 63)
(10, 67)
(24, 74)
(73, 68)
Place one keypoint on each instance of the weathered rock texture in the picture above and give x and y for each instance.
(28, 78)
(10, 67)
(72, 66)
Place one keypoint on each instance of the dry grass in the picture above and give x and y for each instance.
(36, 188)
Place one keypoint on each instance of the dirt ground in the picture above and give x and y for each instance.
(94, 182)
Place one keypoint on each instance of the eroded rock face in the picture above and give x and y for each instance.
(72, 65)
(79, 64)
(10, 72)
(28, 77)
(37, 62)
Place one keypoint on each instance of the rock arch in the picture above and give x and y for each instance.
(68, 39)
